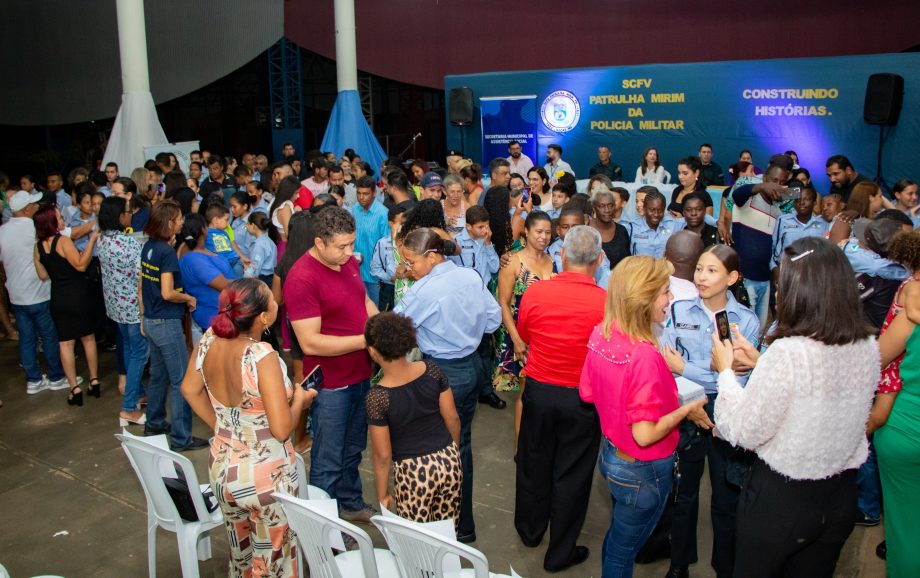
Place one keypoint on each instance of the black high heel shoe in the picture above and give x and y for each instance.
(95, 388)
(75, 398)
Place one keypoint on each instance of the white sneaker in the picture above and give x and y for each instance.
(62, 383)
(33, 387)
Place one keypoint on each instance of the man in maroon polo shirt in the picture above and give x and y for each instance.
(328, 307)
(559, 434)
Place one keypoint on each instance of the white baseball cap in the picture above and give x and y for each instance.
(23, 199)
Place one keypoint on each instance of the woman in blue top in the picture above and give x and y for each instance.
(687, 340)
(163, 308)
(204, 273)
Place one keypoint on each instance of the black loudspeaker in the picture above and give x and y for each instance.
(461, 106)
(884, 95)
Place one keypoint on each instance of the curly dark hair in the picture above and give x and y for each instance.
(391, 334)
(427, 213)
(905, 249)
(333, 221)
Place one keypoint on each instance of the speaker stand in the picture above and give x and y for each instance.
(462, 141)
(879, 179)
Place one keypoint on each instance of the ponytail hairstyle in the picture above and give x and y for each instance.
(238, 306)
(425, 240)
(243, 198)
(192, 229)
(260, 221)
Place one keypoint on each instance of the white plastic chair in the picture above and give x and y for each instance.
(304, 489)
(421, 552)
(194, 541)
(313, 528)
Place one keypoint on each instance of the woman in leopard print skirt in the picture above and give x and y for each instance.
(414, 427)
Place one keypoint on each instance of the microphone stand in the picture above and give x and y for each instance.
(410, 145)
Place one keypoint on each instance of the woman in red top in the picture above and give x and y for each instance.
(635, 394)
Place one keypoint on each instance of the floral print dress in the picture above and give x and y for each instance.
(509, 371)
(246, 465)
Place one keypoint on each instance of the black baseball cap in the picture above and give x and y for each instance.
(454, 153)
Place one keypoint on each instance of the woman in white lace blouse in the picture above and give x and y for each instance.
(803, 412)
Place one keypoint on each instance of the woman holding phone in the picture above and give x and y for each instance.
(803, 412)
(252, 413)
(687, 348)
(413, 423)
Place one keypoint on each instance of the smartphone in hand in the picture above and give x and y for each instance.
(723, 327)
(314, 379)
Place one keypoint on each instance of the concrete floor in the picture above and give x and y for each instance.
(74, 507)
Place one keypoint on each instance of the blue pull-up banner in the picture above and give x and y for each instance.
(813, 106)
(506, 119)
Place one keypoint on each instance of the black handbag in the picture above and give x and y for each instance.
(181, 496)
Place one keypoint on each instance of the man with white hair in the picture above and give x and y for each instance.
(559, 434)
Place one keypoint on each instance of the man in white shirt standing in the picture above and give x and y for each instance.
(317, 183)
(520, 163)
(554, 164)
(30, 296)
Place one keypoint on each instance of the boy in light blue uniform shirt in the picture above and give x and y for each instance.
(383, 265)
(476, 249)
(794, 226)
(572, 217)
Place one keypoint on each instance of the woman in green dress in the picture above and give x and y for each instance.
(897, 442)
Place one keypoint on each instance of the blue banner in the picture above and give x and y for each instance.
(505, 119)
(813, 106)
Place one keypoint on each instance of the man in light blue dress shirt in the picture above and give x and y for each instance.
(371, 226)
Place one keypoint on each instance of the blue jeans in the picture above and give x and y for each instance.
(759, 294)
(339, 437)
(639, 490)
(134, 351)
(33, 321)
(870, 486)
(462, 376)
(373, 291)
(168, 358)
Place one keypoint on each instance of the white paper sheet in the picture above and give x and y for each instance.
(331, 508)
(688, 391)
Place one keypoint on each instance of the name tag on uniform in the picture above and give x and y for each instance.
(690, 326)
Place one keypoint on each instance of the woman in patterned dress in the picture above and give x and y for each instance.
(242, 391)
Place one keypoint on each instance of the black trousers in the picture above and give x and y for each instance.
(387, 296)
(724, 505)
(557, 450)
(793, 528)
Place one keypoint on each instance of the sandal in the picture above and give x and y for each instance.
(95, 388)
(75, 397)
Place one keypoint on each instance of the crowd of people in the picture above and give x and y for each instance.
(418, 296)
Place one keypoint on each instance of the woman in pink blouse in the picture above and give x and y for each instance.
(629, 382)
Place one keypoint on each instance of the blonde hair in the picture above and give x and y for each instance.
(634, 285)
